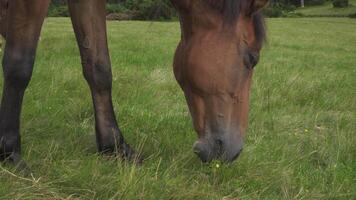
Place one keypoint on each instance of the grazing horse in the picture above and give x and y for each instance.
(220, 45)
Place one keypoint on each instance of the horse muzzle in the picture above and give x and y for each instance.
(226, 148)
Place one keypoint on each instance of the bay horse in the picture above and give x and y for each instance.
(220, 44)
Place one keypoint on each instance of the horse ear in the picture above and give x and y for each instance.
(257, 5)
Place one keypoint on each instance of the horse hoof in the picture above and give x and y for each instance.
(135, 157)
(126, 153)
(130, 155)
(15, 161)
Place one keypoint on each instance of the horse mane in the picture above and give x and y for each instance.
(231, 10)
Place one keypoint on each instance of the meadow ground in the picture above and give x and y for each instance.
(300, 143)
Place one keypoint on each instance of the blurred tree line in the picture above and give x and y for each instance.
(136, 9)
(163, 10)
(286, 8)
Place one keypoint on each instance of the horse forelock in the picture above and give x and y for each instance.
(231, 10)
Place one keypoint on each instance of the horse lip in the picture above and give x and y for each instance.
(236, 156)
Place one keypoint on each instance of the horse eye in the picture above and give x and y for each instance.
(251, 59)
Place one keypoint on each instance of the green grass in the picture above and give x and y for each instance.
(301, 140)
(328, 10)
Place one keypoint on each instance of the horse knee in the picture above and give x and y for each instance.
(98, 74)
(17, 70)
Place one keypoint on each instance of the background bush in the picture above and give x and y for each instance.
(151, 9)
(314, 2)
(142, 9)
(340, 3)
(163, 10)
(116, 8)
(58, 11)
(273, 12)
(353, 15)
(279, 9)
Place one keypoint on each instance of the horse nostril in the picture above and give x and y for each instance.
(219, 142)
(202, 150)
(197, 147)
(228, 149)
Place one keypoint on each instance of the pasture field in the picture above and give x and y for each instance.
(301, 142)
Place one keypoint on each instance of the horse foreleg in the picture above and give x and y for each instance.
(24, 26)
(89, 23)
